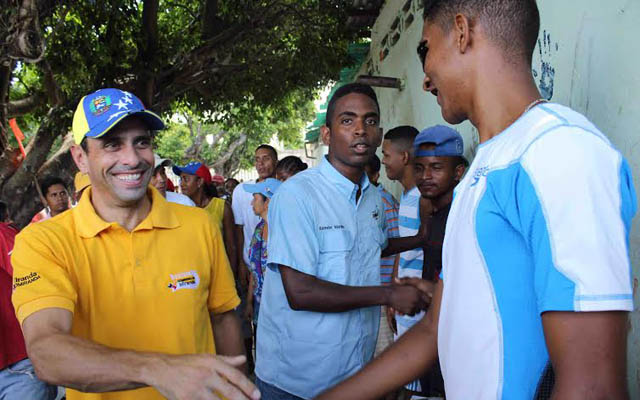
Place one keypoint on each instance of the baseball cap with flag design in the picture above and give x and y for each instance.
(194, 168)
(101, 110)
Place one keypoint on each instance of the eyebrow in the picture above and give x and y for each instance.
(352, 114)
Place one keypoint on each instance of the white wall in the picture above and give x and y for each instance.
(588, 57)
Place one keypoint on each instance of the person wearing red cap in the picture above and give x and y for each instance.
(197, 184)
(160, 181)
(218, 182)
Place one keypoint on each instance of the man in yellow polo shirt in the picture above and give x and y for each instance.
(128, 296)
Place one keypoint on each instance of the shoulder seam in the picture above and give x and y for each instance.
(564, 125)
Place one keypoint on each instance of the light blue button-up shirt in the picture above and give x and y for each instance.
(316, 227)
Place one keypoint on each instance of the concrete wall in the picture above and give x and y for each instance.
(587, 57)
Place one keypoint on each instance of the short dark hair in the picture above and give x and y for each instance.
(402, 136)
(49, 181)
(345, 90)
(4, 211)
(232, 179)
(291, 165)
(374, 163)
(210, 190)
(512, 24)
(270, 148)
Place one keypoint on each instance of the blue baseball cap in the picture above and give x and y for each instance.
(267, 187)
(101, 110)
(194, 168)
(447, 140)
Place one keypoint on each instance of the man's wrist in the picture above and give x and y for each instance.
(149, 367)
(387, 290)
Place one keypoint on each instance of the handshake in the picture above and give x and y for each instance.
(409, 296)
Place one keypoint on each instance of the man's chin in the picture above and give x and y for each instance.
(452, 118)
(131, 196)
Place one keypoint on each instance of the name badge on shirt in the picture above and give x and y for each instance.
(184, 280)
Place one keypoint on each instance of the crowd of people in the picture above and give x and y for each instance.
(316, 282)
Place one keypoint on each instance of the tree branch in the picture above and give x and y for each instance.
(211, 23)
(26, 43)
(24, 106)
(148, 49)
(5, 79)
(219, 164)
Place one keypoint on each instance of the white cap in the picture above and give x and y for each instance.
(158, 161)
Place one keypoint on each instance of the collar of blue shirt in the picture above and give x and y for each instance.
(344, 185)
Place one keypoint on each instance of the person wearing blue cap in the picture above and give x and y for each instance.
(159, 181)
(320, 305)
(127, 293)
(262, 193)
(536, 269)
(438, 166)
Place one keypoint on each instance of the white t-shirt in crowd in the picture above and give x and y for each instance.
(179, 198)
(244, 215)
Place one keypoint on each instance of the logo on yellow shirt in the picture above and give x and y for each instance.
(184, 280)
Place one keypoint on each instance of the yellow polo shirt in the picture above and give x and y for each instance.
(147, 290)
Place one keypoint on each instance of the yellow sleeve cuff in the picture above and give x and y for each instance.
(227, 306)
(32, 306)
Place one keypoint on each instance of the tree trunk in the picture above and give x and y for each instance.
(19, 190)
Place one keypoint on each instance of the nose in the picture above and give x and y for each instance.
(426, 174)
(129, 156)
(359, 127)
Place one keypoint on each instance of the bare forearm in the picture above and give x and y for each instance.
(239, 239)
(338, 298)
(408, 358)
(65, 360)
(230, 248)
(323, 296)
(228, 232)
(227, 334)
(398, 245)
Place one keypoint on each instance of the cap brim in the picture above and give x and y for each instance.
(177, 170)
(153, 121)
(252, 188)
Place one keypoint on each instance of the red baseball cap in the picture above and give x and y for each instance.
(194, 168)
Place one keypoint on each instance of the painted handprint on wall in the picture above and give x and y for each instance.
(545, 75)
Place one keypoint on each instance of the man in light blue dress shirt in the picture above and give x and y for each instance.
(319, 316)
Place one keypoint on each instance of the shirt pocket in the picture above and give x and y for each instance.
(335, 249)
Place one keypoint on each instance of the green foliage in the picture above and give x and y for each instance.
(284, 120)
(253, 68)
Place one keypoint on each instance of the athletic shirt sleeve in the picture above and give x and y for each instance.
(574, 203)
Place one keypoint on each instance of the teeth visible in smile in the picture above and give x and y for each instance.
(128, 177)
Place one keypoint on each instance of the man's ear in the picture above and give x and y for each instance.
(406, 157)
(325, 132)
(80, 158)
(459, 173)
(462, 28)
